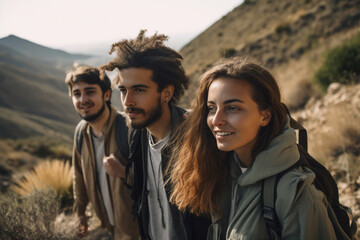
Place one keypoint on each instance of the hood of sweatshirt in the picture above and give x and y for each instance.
(281, 154)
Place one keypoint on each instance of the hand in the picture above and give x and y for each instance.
(83, 227)
(187, 113)
(114, 167)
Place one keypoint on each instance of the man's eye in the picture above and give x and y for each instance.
(139, 90)
(122, 90)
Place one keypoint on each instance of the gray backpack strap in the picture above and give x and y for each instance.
(268, 196)
(79, 134)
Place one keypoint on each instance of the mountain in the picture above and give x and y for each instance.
(33, 96)
(288, 37)
(39, 52)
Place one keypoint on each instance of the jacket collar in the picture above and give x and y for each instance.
(107, 126)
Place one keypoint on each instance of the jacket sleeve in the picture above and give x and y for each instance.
(303, 210)
(80, 195)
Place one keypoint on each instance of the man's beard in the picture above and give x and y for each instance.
(93, 117)
(153, 115)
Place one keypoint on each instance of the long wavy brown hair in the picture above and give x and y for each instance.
(198, 166)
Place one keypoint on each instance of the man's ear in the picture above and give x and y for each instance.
(107, 95)
(167, 93)
(266, 117)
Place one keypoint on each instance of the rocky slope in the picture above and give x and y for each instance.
(333, 129)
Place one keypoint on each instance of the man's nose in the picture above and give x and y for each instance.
(128, 100)
(83, 98)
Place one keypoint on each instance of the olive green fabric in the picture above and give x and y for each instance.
(303, 211)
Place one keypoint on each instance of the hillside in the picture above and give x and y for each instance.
(33, 97)
(288, 37)
(40, 52)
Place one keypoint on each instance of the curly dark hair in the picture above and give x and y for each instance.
(150, 53)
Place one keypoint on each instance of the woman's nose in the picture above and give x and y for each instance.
(219, 118)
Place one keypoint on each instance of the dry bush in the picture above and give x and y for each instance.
(337, 142)
(32, 216)
(54, 174)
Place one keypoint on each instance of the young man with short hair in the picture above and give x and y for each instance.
(98, 162)
(151, 79)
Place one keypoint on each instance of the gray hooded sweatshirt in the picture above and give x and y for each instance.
(303, 211)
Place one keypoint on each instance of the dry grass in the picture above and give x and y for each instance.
(336, 141)
(32, 217)
(55, 174)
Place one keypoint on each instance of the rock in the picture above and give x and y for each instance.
(333, 129)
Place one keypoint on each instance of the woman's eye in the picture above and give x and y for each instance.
(211, 109)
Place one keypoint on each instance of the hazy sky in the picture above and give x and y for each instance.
(79, 24)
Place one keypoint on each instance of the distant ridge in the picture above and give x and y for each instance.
(34, 99)
(37, 51)
(33, 96)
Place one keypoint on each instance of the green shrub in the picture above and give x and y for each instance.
(56, 151)
(342, 64)
(44, 147)
(32, 216)
(228, 52)
(43, 151)
(283, 27)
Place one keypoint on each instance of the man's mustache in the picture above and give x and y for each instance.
(134, 110)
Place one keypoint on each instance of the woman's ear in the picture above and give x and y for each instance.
(167, 93)
(266, 117)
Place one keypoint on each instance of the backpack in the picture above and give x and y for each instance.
(323, 182)
(121, 134)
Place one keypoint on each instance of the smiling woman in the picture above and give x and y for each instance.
(237, 136)
(234, 117)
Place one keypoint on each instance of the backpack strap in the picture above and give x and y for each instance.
(121, 134)
(297, 126)
(268, 198)
(79, 134)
